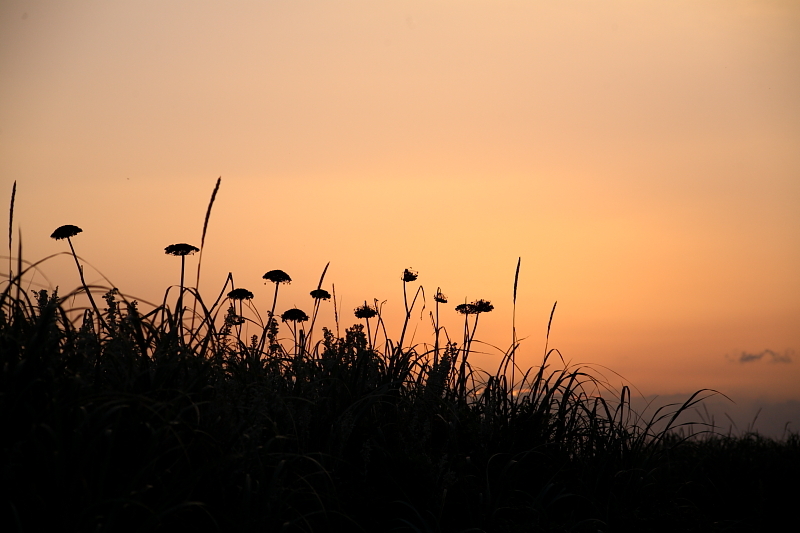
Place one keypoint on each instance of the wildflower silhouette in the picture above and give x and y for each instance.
(366, 312)
(67, 232)
(482, 306)
(439, 298)
(277, 277)
(320, 294)
(240, 294)
(180, 250)
(294, 315)
(465, 309)
(410, 275)
(473, 308)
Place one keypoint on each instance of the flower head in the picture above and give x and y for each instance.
(365, 311)
(473, 308)
(482, 306)
(410, 275)
(466, 309)
(320, 294)
(440, 297)
(277, 276)
(65, 232)
(240, 294)
(294, 315)
(181, 249)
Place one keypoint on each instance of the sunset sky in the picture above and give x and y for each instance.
(642, 158)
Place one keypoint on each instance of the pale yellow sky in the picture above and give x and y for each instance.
(641, 157)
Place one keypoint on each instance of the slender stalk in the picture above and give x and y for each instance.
(316, 308)
(408, 310)
(514, 328)
(202, 244)
(436, 339)
(239, 325)
(335, 311)
(179, 309)
(369, 334)
(461, 384)
(408, 316)
(10, 232)
(86, 287)
(313, 320)
(274, 301)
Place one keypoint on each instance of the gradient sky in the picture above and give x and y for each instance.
(642, 158)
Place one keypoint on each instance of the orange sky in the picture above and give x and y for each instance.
(641, 157)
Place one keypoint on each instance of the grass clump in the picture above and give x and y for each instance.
(117, 419)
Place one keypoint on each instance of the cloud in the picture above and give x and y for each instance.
(772, 356)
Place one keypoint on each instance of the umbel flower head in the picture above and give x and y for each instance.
(320, 294)
(440, 297)
(65, 232)
(181, 249)
(240, 294)
(478, 306)
(294, 315)
(482, 306)
(465, 309)
(410, 275)
(277, 276)
(365, 311)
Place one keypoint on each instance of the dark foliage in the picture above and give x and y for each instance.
(134, 424)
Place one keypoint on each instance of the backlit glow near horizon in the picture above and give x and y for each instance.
(640, 157)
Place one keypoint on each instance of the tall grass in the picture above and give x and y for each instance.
(123, 419)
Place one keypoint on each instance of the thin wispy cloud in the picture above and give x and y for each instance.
(768, 355)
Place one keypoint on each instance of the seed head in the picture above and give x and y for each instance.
(277, 276)
(440, 297)
(240, 294)
(180, 249)
(365, 311)
(410, 275)
(65, 232)
(294, 315)
(320, 294)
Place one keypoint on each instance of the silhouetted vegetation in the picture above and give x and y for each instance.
(117, 419)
